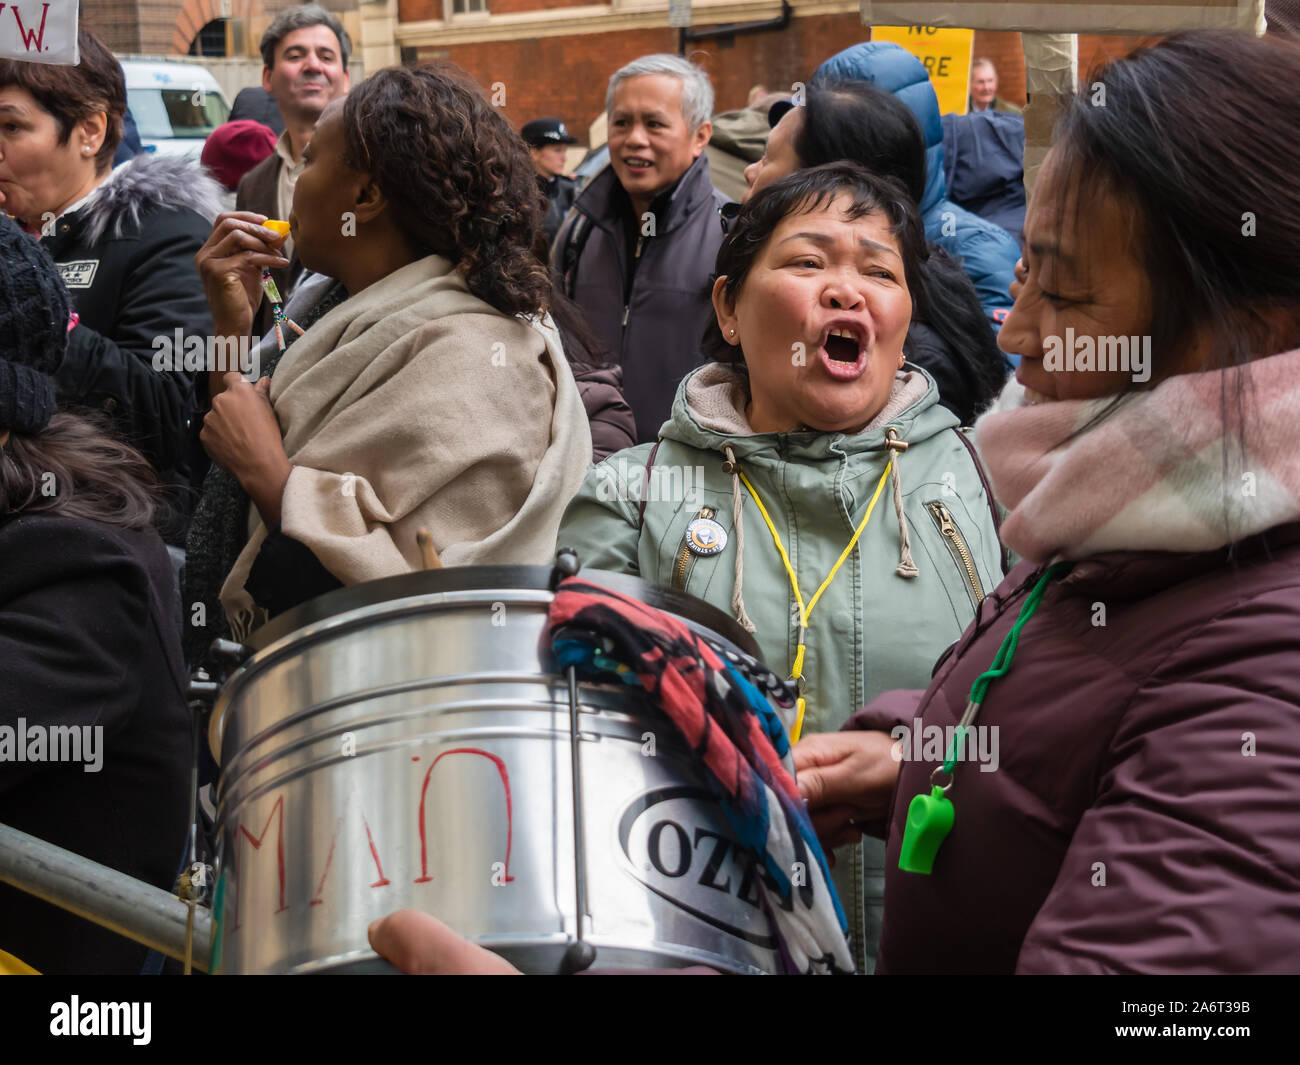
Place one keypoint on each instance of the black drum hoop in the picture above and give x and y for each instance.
(472, 578)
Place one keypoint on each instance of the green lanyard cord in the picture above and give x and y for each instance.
(930, 817)
(1002, 660)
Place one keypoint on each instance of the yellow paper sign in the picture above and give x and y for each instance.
(946, 55)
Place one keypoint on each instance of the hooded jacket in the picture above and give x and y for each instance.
(871, 627)
(985, 250)
(648, 305)
(127, 259)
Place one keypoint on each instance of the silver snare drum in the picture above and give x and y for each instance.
(407, 743)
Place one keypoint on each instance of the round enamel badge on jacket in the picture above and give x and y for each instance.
(704, 536)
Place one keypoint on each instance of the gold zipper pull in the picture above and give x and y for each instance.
(947, 526)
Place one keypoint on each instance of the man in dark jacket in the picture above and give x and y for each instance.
(986, 252)
(305, 53)
(546, 139)
(638, 249)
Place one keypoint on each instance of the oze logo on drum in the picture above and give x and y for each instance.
(679, 845)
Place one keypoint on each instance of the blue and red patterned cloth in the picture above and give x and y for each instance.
(721, 703)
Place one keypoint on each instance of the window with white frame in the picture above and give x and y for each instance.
(464, 7)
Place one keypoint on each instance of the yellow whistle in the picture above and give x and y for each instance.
(280, 227)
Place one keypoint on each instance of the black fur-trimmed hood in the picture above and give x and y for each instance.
(150, 181)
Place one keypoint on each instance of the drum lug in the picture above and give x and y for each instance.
(579, 956)
(228, 653)
(567, 564)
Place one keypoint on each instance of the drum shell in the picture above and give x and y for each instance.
(416, 753)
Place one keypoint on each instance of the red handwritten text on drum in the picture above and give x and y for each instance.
(276, 814)
(276, 818)
(383, 881)
(424, 876)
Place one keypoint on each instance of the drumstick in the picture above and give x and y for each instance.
(427, 551)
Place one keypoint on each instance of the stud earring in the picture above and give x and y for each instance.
(731, 333)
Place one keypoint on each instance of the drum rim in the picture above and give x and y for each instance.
(477, 578)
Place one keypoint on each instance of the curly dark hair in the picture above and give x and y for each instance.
(459, 179)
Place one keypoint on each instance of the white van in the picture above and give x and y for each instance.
(175, 105)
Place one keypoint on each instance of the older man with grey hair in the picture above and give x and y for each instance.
(305, 54)
(637, 250)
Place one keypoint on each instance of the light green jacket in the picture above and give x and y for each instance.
(872, 630)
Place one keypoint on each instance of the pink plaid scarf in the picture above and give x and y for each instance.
(1155, 474)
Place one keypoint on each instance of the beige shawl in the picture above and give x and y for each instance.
(412, 405)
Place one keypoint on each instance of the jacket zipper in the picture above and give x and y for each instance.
(682, 567)
(636, 259)
(957, 545)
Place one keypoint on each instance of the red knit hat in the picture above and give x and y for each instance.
(234, 148)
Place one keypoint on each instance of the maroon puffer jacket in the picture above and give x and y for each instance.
(613, 426)
(1145, 814)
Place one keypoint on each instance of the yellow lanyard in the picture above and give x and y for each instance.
(805, 612)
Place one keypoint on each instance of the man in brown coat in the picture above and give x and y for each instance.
(305, 52)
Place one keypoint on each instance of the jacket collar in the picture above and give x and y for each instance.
(918, 420)
(147, 181)
(1136, 574)
(605, 202)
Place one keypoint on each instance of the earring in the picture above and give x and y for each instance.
(731, 333)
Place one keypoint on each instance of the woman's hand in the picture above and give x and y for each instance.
(845, 777)
(242, 434)
(418, 943)
(230, 265)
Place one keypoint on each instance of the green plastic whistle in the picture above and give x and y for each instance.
(929, 820)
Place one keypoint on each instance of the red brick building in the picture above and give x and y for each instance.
(172, 27)
(554, 57)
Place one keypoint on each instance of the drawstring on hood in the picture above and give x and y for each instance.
(738, 523)
(906, 567)
(712, 405)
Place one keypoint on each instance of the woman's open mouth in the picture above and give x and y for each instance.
(843, 353)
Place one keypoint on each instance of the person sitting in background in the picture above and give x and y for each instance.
(547, 139)
(637, 250)
(984, 250)
(232, 150)
(984, 89)
(803, 426)
(1148, 675)
(854, 121)
(427, 392)
(125, 242)
(94, 733)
